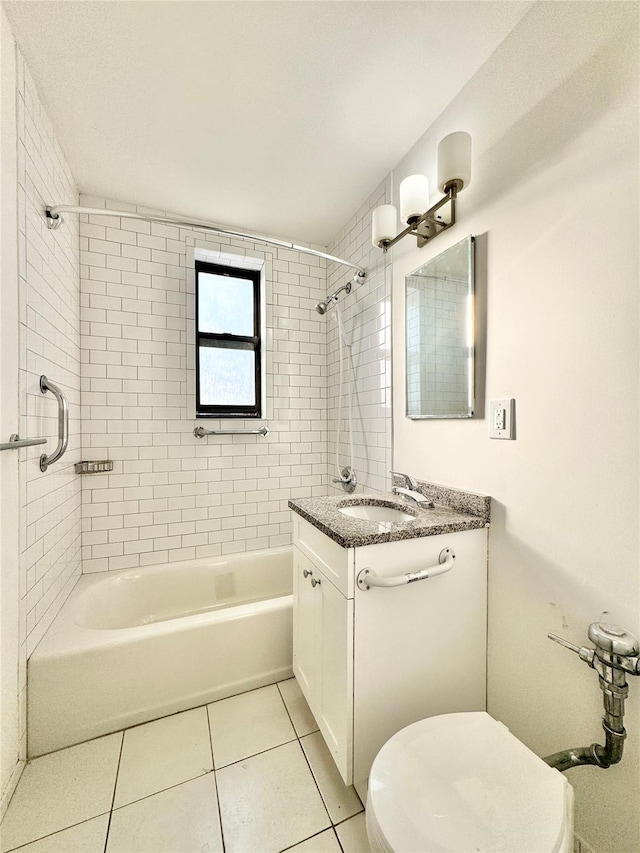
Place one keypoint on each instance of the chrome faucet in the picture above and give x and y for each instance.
(411, 492)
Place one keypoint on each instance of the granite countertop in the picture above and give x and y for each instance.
(450, 512)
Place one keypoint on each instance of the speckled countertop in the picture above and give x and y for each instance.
(452, 510)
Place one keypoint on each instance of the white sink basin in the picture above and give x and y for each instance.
(374, 512)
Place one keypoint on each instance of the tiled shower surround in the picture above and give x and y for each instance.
(49, 343)
(366, 314)
(172, 496)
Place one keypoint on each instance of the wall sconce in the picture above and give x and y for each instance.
(454, 173)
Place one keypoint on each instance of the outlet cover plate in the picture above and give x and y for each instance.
(502, 423)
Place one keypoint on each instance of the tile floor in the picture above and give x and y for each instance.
(249, 773)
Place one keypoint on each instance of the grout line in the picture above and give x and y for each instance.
(313, 776)
(215, 779)
(153, 720)
(50, 834)
(315, 835)
(122, 732)
(161, 791)
(213, 762)
(113, 796)
(255, 754)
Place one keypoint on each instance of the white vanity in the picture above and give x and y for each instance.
(370, 662)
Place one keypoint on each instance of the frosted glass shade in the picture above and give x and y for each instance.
(384, 223)
(454, 160)
(414, 197)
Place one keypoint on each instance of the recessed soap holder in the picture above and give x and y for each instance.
(100, 467)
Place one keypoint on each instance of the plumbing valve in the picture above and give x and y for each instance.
(615, 648)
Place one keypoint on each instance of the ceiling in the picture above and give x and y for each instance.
(279, 117)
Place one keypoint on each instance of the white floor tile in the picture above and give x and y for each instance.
(341, 801)
(183, 819)
(269, 802)
(61, 789)
(163, 753)
(326, 842)
(87, 837)
(353, 835)
(303, 720)
(247, 724)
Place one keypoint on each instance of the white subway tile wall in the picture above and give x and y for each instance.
(437, 351)
(172, 496)
(366, 314)
(49, 341)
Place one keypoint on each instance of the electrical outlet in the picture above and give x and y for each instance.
(502, 418)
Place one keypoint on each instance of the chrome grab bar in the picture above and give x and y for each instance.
(15, 442)
(63, 423)
(200, 431)
(367, 577)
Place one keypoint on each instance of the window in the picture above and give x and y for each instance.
(228, 346)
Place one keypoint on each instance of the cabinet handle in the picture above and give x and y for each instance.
(306, 573)
(315, 582)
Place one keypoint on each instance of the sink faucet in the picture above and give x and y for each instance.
(411, 492)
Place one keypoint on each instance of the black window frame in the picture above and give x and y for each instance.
(250, 342)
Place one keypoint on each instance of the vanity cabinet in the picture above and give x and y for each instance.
(323, 655)
(370, 662)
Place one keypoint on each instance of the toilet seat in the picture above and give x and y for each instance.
(461, 783)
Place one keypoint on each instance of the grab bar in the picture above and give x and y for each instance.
(63, 423)
(200, 431)
(15, 442)
(368, 578)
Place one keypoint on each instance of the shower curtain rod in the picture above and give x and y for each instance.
(54, 220)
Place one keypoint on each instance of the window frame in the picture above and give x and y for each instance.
(246, 342)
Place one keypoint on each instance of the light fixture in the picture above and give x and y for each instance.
(454, 173)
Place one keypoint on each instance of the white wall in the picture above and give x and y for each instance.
(554, 118)
(172, 496)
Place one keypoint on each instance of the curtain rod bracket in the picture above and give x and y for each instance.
(53, 220)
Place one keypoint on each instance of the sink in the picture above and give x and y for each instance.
(376, 512)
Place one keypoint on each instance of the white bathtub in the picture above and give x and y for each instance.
(134, 645)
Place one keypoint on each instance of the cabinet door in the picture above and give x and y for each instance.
(306, 630)
(335, 715)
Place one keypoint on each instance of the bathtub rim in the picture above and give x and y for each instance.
(66, 636)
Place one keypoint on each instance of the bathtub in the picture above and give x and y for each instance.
(133, 645)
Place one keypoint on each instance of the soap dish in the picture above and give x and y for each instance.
(100, 467)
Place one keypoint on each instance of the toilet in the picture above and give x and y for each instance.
(461, 783)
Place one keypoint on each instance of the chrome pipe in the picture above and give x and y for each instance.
(54, 220)
(15, 442)
(616, 652)
(63, 423)
(596, 754)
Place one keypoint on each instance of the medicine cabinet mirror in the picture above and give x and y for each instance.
(440, 335)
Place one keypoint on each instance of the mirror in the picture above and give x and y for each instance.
(440, 335)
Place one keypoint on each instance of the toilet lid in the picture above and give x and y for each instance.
(463, 782)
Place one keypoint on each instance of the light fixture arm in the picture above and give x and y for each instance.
(428, 226)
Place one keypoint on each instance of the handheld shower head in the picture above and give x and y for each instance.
(321, 307)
